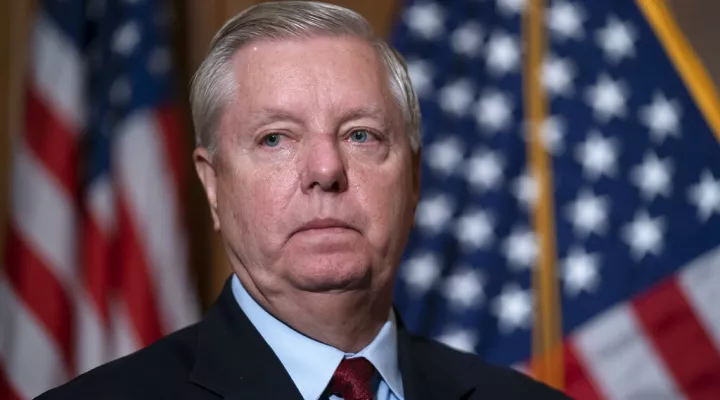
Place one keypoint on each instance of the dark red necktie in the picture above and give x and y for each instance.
(352, 379)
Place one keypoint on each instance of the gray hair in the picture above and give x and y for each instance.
(212, 85)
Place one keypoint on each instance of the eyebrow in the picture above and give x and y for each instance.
(267, 115)
(369, 111)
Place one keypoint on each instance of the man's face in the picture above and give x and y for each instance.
(314, 182)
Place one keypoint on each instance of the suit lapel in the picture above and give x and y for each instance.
(233, 360)
(423, 378)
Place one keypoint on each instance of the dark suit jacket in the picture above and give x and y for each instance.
(224, 356)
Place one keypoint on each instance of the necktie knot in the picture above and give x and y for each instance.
(352, 379)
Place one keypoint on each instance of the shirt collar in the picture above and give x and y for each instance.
(382, 354)
(311, 364)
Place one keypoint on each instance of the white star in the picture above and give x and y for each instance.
(159, 61)
(493, 111)
(662, 117)
(520, 248)
(120, 91)
(558, 75)
(525, 190)
(474, 230)
(444, 155)
(644, 235)
(421, 272)
(588, 213)
(126, 38)
(464, 289)
(484, 170)
(566, 20)
(456, 97)
(597, 155)
(652, 177)
(426, 20)
(607, 98)
(503, 53)
(511, 7)
(467, 39)
(513, 308)
(433, 213)
(421, 75)
(617, 39)
(580, 272)
(459, 339)
(551, 134)
(705, 195)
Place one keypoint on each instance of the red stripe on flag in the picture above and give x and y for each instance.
(578, 383)
(6, 390)
(136, 284)
(95, 261)
(51, 141)
(678, 337)
(40, 290)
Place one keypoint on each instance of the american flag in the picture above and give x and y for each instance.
(96, 260)
(635, 166)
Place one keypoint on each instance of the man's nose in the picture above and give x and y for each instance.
(323, 166)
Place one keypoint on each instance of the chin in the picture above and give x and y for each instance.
(328, 273)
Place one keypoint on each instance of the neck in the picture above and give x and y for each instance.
(347, 321)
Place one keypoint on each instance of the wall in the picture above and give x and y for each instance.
(14, 18)
(699, 21)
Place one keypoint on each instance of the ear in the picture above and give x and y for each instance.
(207, 173)
(417, 168)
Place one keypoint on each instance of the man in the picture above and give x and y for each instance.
(309, 154)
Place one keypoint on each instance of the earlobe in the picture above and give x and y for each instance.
(206, 171)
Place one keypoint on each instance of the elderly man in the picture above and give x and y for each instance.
(309, 154)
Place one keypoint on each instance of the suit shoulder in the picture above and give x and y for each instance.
(137, 375)
(487, 377)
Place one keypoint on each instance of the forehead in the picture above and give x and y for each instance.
(312, 72)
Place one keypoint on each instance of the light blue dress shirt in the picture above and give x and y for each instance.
(311, 364)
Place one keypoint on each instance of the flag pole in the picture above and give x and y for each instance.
(547, 360)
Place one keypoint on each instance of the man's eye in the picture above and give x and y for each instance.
(360, 136)
(271, 140)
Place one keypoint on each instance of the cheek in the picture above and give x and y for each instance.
(256, 199)
(386, 198)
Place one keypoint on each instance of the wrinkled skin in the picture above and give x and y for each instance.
(313, 133)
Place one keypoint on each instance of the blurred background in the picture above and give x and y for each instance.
(585, 242)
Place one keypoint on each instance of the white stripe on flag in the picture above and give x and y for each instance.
(614, 350)
(29, 356)
(102, 204)
(146, 180)
(43, 213)
(90, 340)
(57, 72)
(93, 345)
(123, 338)
(700, 282)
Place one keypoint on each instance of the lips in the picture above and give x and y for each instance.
(324, 223)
